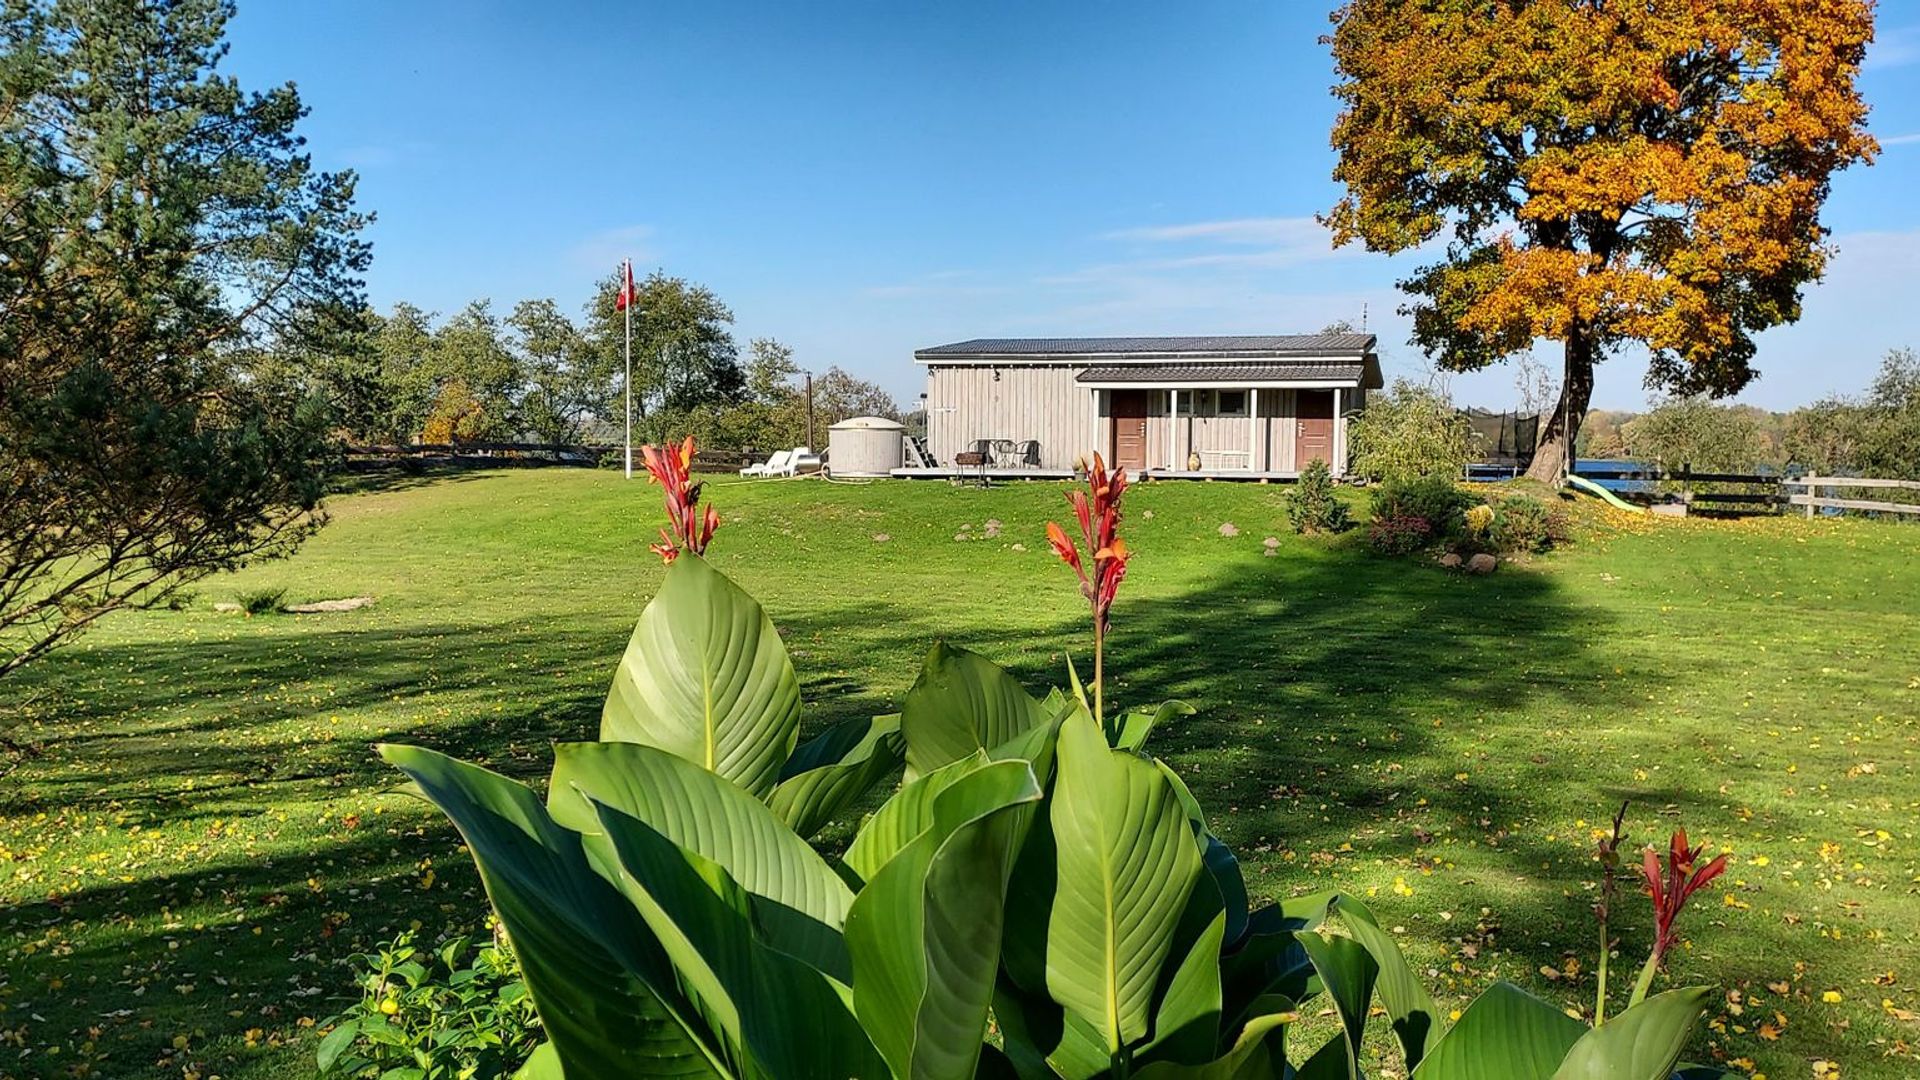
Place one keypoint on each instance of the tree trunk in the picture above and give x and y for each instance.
(1559, 429)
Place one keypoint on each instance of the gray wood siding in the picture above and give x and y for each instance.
(1027, 402)
(1044, 402)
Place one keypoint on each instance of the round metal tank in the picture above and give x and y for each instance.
(865, 446)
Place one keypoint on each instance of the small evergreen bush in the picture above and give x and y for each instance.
(262, 601)
(1312, 505)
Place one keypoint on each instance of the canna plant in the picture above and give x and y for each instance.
(1041, 897)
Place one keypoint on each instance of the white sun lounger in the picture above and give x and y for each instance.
(777, 465)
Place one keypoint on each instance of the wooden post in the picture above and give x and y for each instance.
(810, 445)
(1257, 447)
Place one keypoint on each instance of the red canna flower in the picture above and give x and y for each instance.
(686, 529)
(1683, 877)
(1098, 512)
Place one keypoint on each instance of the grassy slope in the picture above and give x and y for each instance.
(206, 838)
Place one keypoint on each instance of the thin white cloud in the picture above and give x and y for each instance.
(1265, 231)
(941, 284)
(1900, 140)
(1892, 47)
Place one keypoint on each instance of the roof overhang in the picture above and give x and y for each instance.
(1297, 374)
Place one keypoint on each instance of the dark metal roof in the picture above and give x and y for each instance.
(1225, 373)
(1261, 345)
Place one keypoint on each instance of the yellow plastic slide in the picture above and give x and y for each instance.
(1615, 501)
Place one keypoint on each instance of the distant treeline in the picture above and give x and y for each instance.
(538, 375)
(1876, 433)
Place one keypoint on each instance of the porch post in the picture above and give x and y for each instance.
(1339, 436)
(1096, 439)
(1173, 425)
(1256, 446)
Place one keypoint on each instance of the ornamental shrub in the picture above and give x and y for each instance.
(1399, 534)
(456, 1011)
(1437, 500)
(1312, 504)
(1524, 523)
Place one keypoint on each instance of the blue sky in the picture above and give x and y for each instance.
(861, 179)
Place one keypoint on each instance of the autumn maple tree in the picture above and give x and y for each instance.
(1604, 174)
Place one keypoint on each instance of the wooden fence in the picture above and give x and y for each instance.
(1813, 500)
(517, 453)
(1764, 489)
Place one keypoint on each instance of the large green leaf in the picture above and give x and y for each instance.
(1347, 972)
(1222, 865)
(707, 678)
(601, 983)
(543, 1065)
(1259, 1053)
(1044, 1041)
(1505, 1034)
(962, 702)
(1135, 726)
(1643, 1043)
(832, 769)
(1270, 959)
(925, 932)
(777, 1016)
(798, 901)
(1410, 1008)
(905, 816)
(1127, 861)
(1186, 1022)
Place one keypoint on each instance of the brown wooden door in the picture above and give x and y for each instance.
(1312, 427)
(1128, 410)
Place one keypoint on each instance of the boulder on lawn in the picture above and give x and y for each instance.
(1482, 563)
(322, 607)
(1451, 560)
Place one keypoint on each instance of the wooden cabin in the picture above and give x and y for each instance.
(1239, 407)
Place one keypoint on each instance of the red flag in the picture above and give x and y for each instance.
(626, 289)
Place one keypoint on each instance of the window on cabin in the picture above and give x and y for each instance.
(1232, 403)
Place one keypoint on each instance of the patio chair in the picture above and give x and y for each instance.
(773, 466)
(1026, 453)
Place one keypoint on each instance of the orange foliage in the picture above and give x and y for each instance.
(1651, 171)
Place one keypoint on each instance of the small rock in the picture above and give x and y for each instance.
(1146, 515)
(1451, 560)
(961, 536)
(1482, 563)
(994, 524)
(226, 606)
(1019, 547)
(966, 528)
(321, 607)
(1228, 528)
(881, 538)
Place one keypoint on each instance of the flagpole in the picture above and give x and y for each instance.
(626, 384)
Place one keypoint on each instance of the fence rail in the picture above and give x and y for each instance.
(1813, 500)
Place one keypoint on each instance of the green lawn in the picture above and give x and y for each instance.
(207, 838)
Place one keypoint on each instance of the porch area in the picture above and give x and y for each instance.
(1234, 428)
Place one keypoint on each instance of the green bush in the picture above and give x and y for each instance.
(1437, 500)
(1524, 523)
(449, 1013)
(262, 601)
(1313, 505)
(1410, 431)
